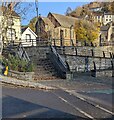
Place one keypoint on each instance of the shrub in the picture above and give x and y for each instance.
(17, 64)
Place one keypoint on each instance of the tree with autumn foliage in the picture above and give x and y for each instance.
(86, 31)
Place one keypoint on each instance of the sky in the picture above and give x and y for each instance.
(46, 7)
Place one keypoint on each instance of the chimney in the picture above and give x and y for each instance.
(10, 6)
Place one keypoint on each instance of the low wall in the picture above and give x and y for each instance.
(105, 73)
(103, 51)
(77, 63)
(21, 75)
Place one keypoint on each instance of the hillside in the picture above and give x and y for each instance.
(82, 11)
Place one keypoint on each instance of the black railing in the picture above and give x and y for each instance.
(34, 42)
(61, 60)
(22, 53)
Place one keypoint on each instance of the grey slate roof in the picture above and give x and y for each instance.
(104, 28)
(65, 21)
(47, 21)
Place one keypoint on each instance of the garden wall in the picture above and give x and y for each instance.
(21, 75)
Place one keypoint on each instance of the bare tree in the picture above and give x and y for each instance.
(7, 18)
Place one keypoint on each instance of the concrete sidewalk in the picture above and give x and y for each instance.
(17, 82)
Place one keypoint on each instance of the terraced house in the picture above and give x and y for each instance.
(10, 24)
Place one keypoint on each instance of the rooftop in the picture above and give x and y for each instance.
(104, 28)
(65, 21)
(47, 21)
(8, 11)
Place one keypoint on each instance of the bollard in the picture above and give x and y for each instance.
(6, 71)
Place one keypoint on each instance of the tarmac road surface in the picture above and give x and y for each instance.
(53, 104)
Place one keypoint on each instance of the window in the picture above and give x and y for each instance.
(106, 19)
(106, 16)
(98, 17)
(11, 34)
(110, 16)
(28, 37)
(109, 19)
(65, 32)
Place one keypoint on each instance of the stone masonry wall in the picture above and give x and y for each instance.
(87, 51)
(77, 63)
(36, 52)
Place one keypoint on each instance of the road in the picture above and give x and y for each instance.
(59, 104)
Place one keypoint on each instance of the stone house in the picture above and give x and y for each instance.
(107, 17)
(64, 28)
(28, 37)
(11, 25)
(98, 17)
(107, 33)
(59, 28)
(45, 26)
(95, 9)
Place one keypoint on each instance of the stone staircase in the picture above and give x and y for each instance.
(44, 70)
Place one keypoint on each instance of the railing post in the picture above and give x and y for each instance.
(76, 51)
(86, 64)
(110, 55)
(112, 65)
(32, 43)
(54, 43)
(92, 53)
(94, 66)
(103, 54)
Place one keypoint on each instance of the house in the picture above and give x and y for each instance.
(45, 26)
(106, 33)
(28, 37)
(98, 17)
(108, 17)
(95, 9)
(11, 25)
(59, 28)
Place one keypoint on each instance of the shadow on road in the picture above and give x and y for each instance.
(14, 108)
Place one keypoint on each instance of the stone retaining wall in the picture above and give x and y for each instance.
(104, 51)
(105, 73)
(21, 75)
(37, 52)
(77, 63)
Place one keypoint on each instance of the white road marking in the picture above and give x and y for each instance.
(97, 106)
(78, 109)
(104, 109)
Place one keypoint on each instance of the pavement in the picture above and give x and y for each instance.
(23, 83)
(90, 88)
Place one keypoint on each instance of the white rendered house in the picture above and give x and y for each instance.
(28, 37)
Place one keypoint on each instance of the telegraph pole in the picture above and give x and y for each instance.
(37, 29)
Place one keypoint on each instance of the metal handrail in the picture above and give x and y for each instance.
(22, 53)
(58, 56)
